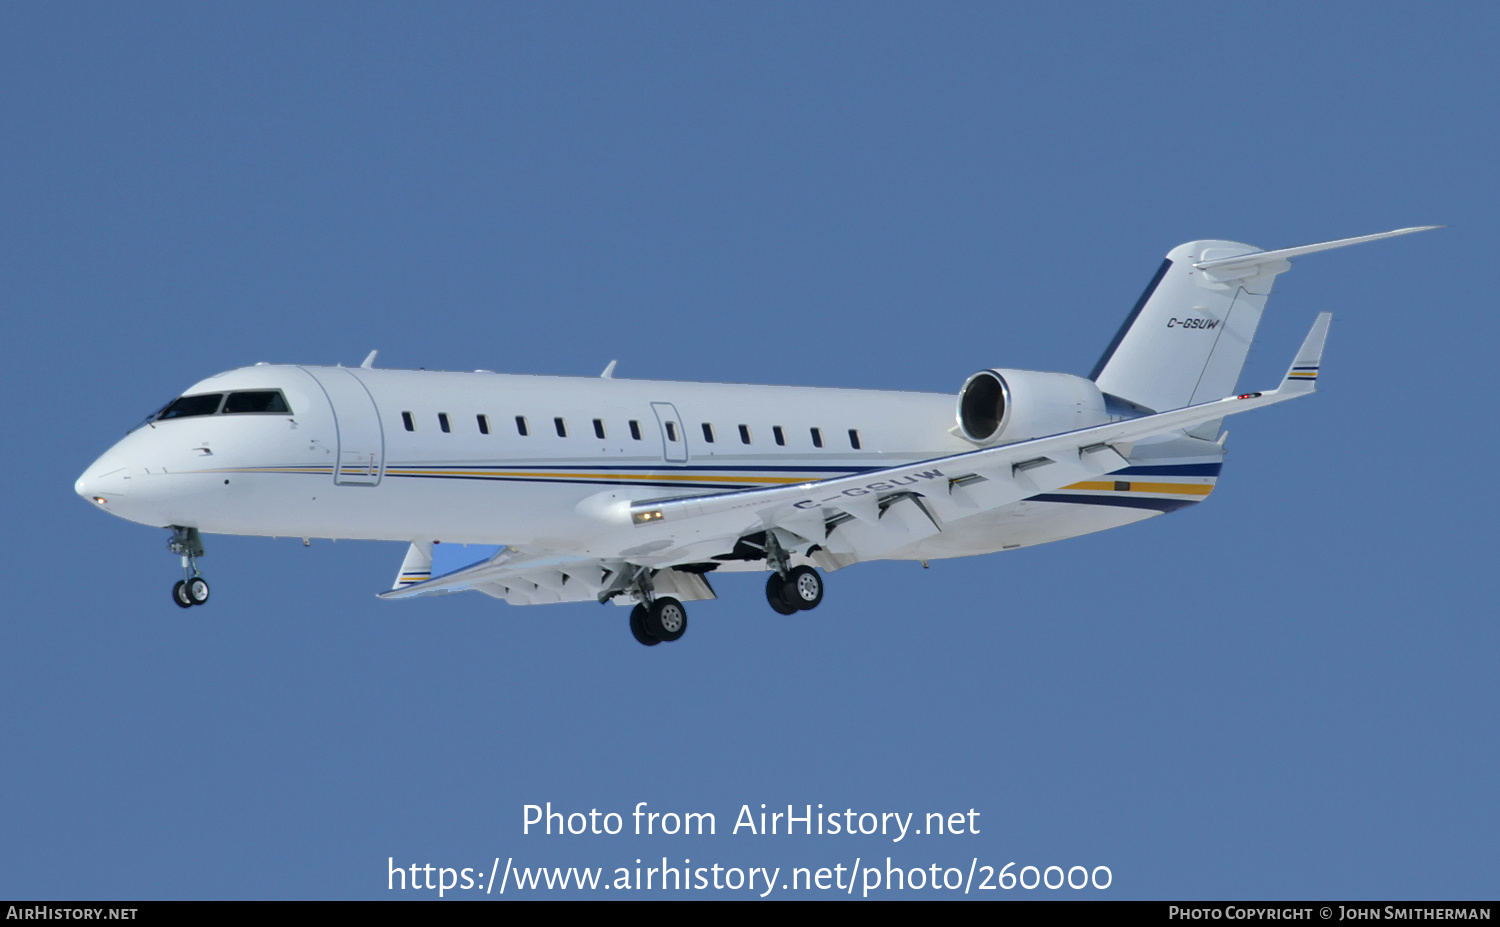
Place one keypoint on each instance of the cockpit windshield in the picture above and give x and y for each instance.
(253, 400)
(259, 400)
(205, 404)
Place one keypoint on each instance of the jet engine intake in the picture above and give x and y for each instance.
(1002, 406)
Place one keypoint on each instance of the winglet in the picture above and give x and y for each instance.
(417, 567)
(370, 360)
(1302, 376)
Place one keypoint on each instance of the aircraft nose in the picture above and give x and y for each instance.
(105, 482)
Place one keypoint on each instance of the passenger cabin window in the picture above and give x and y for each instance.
(521, 425)
(599, 428)
(406, 420)
(744, 434)
(561, 426)
(779, 435)
(484, 424)
(817, 436)
(671, 431)
(854, 438)
(443, 422)
(206, 404)
(257, 400)
(635, 429)
(708, 432)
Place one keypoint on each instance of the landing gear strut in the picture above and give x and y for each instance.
(790, 589)
(192, 589)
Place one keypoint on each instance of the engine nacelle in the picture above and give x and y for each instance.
(1005, 406)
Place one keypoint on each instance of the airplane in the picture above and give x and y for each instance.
(607, 489)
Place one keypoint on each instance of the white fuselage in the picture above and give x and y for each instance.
(364, 453)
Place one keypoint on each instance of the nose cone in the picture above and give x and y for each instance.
(119, 483)
(104, 482)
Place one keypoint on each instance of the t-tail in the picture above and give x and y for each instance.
(1186, 340)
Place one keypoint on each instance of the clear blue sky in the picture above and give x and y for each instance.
(1287, 692)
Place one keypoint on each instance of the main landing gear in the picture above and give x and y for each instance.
(800, 589)
(790, 589)
(663, 620)
(192, 589)
(655, 619)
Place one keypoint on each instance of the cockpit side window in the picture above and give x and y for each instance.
(258, 400)
(184, 406)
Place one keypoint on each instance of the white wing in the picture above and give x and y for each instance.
(528, 579)
(960, 484)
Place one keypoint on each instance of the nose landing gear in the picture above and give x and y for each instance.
(192, 589)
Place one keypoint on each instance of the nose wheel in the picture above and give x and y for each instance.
(192, 589)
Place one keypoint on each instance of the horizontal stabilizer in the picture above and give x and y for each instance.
(1237, 262)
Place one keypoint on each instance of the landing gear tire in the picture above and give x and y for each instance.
(197, 590)
(180, 594)
(638, 627)
(804, 588)
(666, 619)
(776, 595)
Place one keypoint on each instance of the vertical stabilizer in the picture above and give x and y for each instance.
(1187, 337)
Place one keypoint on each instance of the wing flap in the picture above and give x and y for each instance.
(903, 521)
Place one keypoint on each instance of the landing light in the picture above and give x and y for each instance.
(642, 518)
(101, 500)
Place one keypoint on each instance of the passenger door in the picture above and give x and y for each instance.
(361, 453)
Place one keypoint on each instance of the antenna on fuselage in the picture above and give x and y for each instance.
(369, 363)
(609, 372)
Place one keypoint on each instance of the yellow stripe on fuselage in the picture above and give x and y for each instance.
(1181, 489)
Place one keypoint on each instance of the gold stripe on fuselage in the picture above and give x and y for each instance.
(1183, 489)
